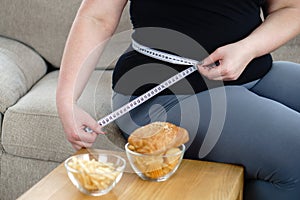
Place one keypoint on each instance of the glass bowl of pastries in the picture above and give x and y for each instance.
(95, 174)
(155, 151)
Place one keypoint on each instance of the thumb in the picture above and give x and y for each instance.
(212, 60)
(94, 125)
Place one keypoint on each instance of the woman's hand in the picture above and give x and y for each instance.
(74, 121)
(232, 60)
(94, 24)
(280, 25)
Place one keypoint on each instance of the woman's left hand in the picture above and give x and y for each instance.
(232, 60)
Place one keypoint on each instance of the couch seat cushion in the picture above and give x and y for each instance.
(20, 69)
(32, 128)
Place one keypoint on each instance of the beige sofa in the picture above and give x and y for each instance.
(32, 38)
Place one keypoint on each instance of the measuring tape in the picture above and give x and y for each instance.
(166, 57)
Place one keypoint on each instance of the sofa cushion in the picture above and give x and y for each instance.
(44, 25)
(289, 52)
(1, 117)
(19, 174)
(20, 68)
(32, 128)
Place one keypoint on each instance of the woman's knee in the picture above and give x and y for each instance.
(281, 84)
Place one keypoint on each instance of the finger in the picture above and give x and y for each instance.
(95, 126)
(203, 71)
(76, 147)
(211, 73)
(212, 59)
(88, 137)
(209, 68)
(225, 74)
(82, 144)
(80, 135)
(221, 78)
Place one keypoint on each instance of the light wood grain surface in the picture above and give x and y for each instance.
(193, 180)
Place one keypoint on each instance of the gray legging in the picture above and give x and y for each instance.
(257, 127)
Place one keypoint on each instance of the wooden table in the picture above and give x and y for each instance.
(192, 180)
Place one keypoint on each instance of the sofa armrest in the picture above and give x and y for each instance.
(20, 69)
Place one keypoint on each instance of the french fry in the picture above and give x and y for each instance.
(93, 175)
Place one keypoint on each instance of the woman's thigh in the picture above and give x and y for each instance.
(240, 128)
(260, 134)
(282, 84)
(263, 136)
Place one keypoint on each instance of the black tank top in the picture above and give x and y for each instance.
(209, 23)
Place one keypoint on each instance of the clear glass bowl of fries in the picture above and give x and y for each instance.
(155, 168)
(95, 174)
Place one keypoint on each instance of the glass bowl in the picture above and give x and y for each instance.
(155, 167)
(95, 174)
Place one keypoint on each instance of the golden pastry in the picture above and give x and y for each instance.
(157, 137)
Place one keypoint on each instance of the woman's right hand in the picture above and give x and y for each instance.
(93, 26)
(74, 120)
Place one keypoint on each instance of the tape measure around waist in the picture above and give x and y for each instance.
(166, 57)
